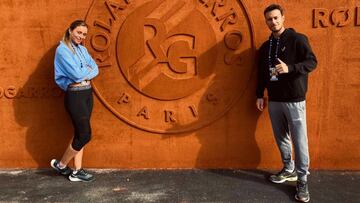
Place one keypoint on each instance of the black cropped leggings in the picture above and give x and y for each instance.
(79, 105)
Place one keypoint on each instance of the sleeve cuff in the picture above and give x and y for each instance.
(291, 68)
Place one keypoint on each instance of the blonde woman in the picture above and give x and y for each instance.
(74, 68)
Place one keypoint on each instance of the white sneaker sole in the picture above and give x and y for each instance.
(307, 200)
(52, 163)
(74, 179)
(292, 179)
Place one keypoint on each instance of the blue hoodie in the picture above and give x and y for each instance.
(73, 68)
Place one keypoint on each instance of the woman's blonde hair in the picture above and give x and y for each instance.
(66, 38)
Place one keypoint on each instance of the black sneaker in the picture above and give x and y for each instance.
(302, 191)
(81, 175)
(283, 176)
(63, 171)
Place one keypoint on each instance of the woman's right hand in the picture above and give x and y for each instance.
(260, 104)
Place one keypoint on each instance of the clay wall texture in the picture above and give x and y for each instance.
(177, 83)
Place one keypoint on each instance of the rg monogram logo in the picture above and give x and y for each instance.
(170, 66)
(166, 51)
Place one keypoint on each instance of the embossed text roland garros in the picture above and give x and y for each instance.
(170, 66)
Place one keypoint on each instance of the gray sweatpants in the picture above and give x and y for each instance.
(288, 121)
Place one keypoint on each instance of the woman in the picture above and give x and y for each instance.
(74, 68)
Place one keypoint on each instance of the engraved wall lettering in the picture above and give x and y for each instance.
(125, 98)
(101, 24)
(10, 92)
(23, 93)
(193, 110)
(102, 59)
(112, 7)
(33, 91)
(42, 92)
(144, 112)
(341, 17)
(169, 116)
(56, 92)
(175, 63)
(228, 18)
(232, 41)
(100, 41)
(38, 92)
(213, 4)
(320, 17)
(1, 92)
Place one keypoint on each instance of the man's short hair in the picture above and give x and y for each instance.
(274, 7)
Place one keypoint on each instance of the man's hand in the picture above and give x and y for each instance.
(281, 67)
(260, 104)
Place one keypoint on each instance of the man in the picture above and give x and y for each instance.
(284, 63)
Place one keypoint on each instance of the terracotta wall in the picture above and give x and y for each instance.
(184, 98)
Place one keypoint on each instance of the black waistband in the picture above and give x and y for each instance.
(79, 88)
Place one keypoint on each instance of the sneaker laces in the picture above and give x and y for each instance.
(82, 171)
(283, 171)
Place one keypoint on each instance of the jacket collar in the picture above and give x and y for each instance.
(285, 34)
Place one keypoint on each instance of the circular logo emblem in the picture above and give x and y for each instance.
(170, 66)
